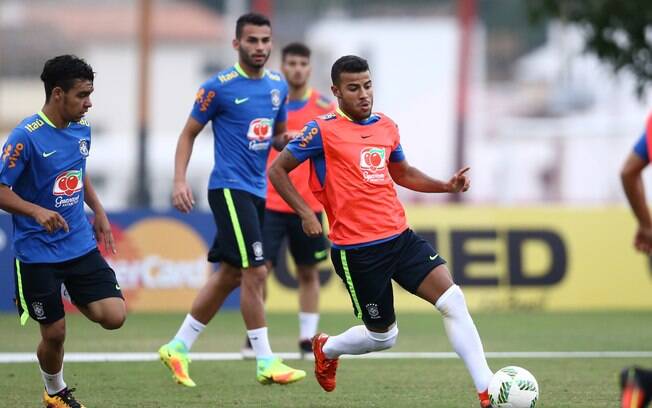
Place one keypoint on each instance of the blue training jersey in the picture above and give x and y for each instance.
(243, 112)
(46, 166)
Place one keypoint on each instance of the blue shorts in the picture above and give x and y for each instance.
(304, 249)
(239, 219)
(367, 273)
(38, 285)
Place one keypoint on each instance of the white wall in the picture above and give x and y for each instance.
(414, 66)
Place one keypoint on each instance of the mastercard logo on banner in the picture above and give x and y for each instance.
(160, 263)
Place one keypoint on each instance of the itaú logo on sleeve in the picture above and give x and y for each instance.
(372, 164)
(259, 133)
(65, 186)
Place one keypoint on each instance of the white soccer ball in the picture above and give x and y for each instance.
(513, 387)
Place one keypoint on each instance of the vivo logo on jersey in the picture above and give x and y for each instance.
(372, 164)
(259, 133)
(68, 183)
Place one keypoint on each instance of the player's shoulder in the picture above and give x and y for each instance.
(383, 117)
(29, 126)
(83, 124)
(274, 76)
(326, 118)
(222, 78)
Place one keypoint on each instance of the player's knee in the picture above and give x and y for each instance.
(113, 321)
(54, 334)
(230, 278)
(385, 340)
(452, 301)
(255, 276)
(307, 275)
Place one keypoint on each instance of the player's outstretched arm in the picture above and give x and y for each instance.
(279, 177)
(12, 203)
(630, 176)
(414, 179)
(101, 225)
(182, 198)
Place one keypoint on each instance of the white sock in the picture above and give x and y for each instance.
(464, 336)
(260, 342)
(53, 382)
(308, 325)
(189, 331)
(359, 340)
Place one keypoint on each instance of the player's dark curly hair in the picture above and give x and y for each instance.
(350, 64)
(250, 18)
(63, 71)
(295, 48)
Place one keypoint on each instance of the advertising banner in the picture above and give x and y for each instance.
(520, 258)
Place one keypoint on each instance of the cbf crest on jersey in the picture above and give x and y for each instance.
(276, 98)
(83, 147)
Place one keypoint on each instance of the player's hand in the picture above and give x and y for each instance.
(182, 198)
(311, 225)
(50, 220)
(103, 233)
(643, 240)
(460, 181)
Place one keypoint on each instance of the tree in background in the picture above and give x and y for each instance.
(618, 32)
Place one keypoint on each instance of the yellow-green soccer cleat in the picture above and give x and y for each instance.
(62, 399)
(272, 370)
(175, 357)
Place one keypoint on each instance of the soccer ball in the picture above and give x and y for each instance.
(513, 387)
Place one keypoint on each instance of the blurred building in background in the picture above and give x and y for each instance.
(544, 122)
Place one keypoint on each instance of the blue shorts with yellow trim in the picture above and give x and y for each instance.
(87, 279)
(367, 273)
(239, 219)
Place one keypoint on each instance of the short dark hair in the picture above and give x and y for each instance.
(295, 48)
(348, 63)
(63, 71)
(253, 19)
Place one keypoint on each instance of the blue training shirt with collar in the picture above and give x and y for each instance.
(46, 166)
(243, 112)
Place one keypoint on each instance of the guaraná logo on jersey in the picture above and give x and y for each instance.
(259, 133)
(372, 164)
(68, 183)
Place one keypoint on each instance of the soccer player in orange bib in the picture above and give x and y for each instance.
(356, 157)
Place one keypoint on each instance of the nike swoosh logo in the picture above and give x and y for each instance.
(365, 136)
(321, 254)
(432, 258)
(238, 101)
(117, 287)
(46, 155)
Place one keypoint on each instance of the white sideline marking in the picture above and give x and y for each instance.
(125, 357)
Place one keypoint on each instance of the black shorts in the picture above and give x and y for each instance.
(38, 285)
(239, 219)
(367, 273)
(304, 249)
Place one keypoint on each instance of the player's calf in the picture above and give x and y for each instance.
(383, 340)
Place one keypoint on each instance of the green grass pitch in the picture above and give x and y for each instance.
(570, 382)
